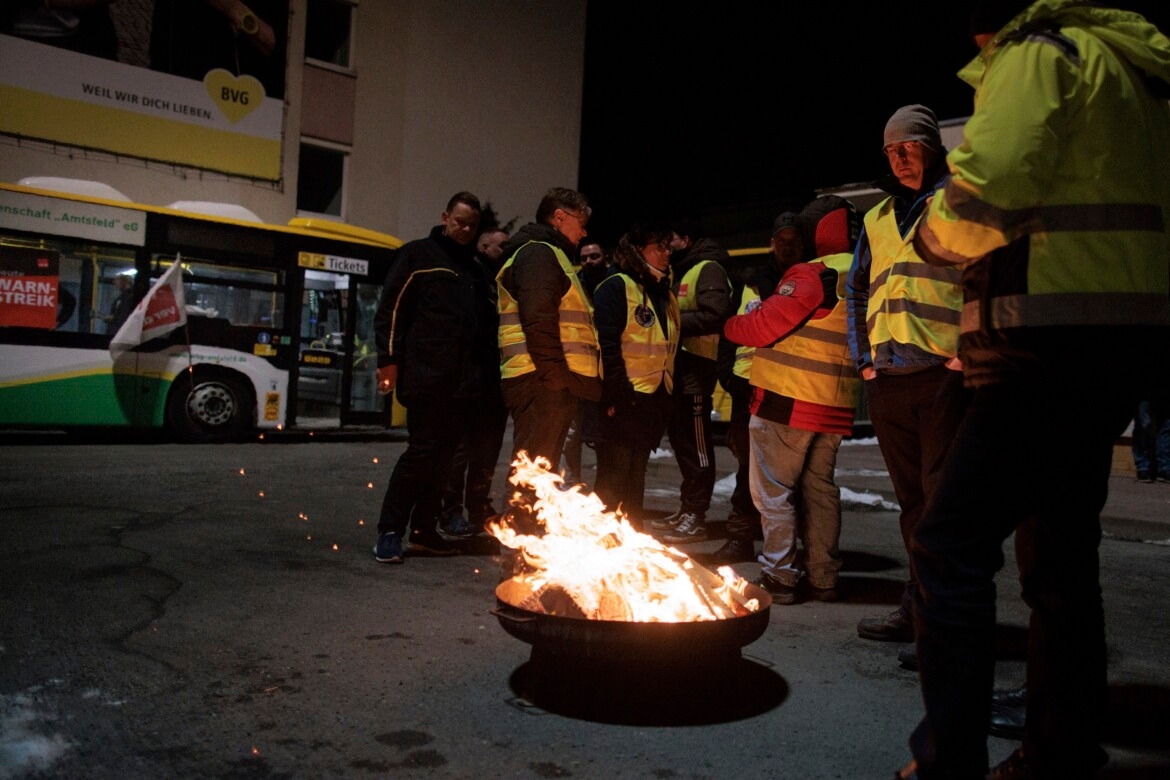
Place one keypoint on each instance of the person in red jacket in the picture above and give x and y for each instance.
(804, 393)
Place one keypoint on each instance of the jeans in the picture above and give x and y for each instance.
(792, 485)
(474, 466)
(1151, 439)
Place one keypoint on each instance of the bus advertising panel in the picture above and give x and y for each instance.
(181, 83)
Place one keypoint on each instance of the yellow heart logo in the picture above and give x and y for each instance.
(236, 97)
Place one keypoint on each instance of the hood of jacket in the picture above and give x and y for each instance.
(1128, 34)
(538, 231)
(703, 249)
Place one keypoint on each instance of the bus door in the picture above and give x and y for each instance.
(337, 382)
(366, 406)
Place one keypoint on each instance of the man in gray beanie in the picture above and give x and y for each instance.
(913, 123)
(904, 336)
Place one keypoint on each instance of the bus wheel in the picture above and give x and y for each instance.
(212, 409)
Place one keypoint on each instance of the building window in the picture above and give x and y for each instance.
(328, 32)
(321, 179)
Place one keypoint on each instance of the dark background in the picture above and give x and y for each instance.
(733, 112)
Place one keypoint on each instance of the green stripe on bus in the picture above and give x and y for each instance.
(95, 399)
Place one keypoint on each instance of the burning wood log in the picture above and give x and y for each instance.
(581, 560)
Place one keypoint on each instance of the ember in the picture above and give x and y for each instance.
(581, 561)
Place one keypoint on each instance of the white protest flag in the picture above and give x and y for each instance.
(161, 311)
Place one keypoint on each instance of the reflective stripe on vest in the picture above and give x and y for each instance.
(748, 298)
(812, 363)
(647, 352)
(578, 336)
(910, 302)
(688, 300)
(1084, 245)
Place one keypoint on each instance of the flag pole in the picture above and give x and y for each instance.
(186, 327)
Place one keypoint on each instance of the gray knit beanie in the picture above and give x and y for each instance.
(913, 123)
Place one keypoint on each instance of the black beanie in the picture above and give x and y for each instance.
(989, 16)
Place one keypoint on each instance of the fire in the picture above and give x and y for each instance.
(608, 569)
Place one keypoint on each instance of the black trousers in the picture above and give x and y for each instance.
(414, 495)
(540, 418)
(1034, 458)
(469, 487)
(624, 444)
(915, 417)
(690, 438)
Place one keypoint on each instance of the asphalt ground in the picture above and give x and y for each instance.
(214, 611)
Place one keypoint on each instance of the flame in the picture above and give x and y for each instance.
(596, 556)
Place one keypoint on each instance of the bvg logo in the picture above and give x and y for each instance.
(235, 97)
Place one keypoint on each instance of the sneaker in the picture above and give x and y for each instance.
(691, 528)
(388, 549)
(1144, 476)
(432, 544)
(667, 523)
(1164, 476)
(734, 551)
(456, 528)
(894, 627)
(781, 593)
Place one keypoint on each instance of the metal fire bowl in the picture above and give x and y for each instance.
(624, 641)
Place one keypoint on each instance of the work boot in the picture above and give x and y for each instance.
(691, 528)
(1007, 722)
(908, 657)
(1020, 766)
(1010, 697)
(894, 627)
(734, 551)
(827, 595)
(743, 526)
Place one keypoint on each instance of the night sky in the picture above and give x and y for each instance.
(714, 108)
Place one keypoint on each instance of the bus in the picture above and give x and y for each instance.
(279, 328)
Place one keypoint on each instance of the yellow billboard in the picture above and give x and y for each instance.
(183, 83)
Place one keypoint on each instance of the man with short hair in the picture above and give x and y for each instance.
(549, 355)
(1057, 213)
(904, 336)
(804, 394)
(704, 301)
(593, 267)
(433, 320)
(734, 369)
(467, 504)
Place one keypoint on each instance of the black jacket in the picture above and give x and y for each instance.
(437, 322)
(694, 374)
(538, 282)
